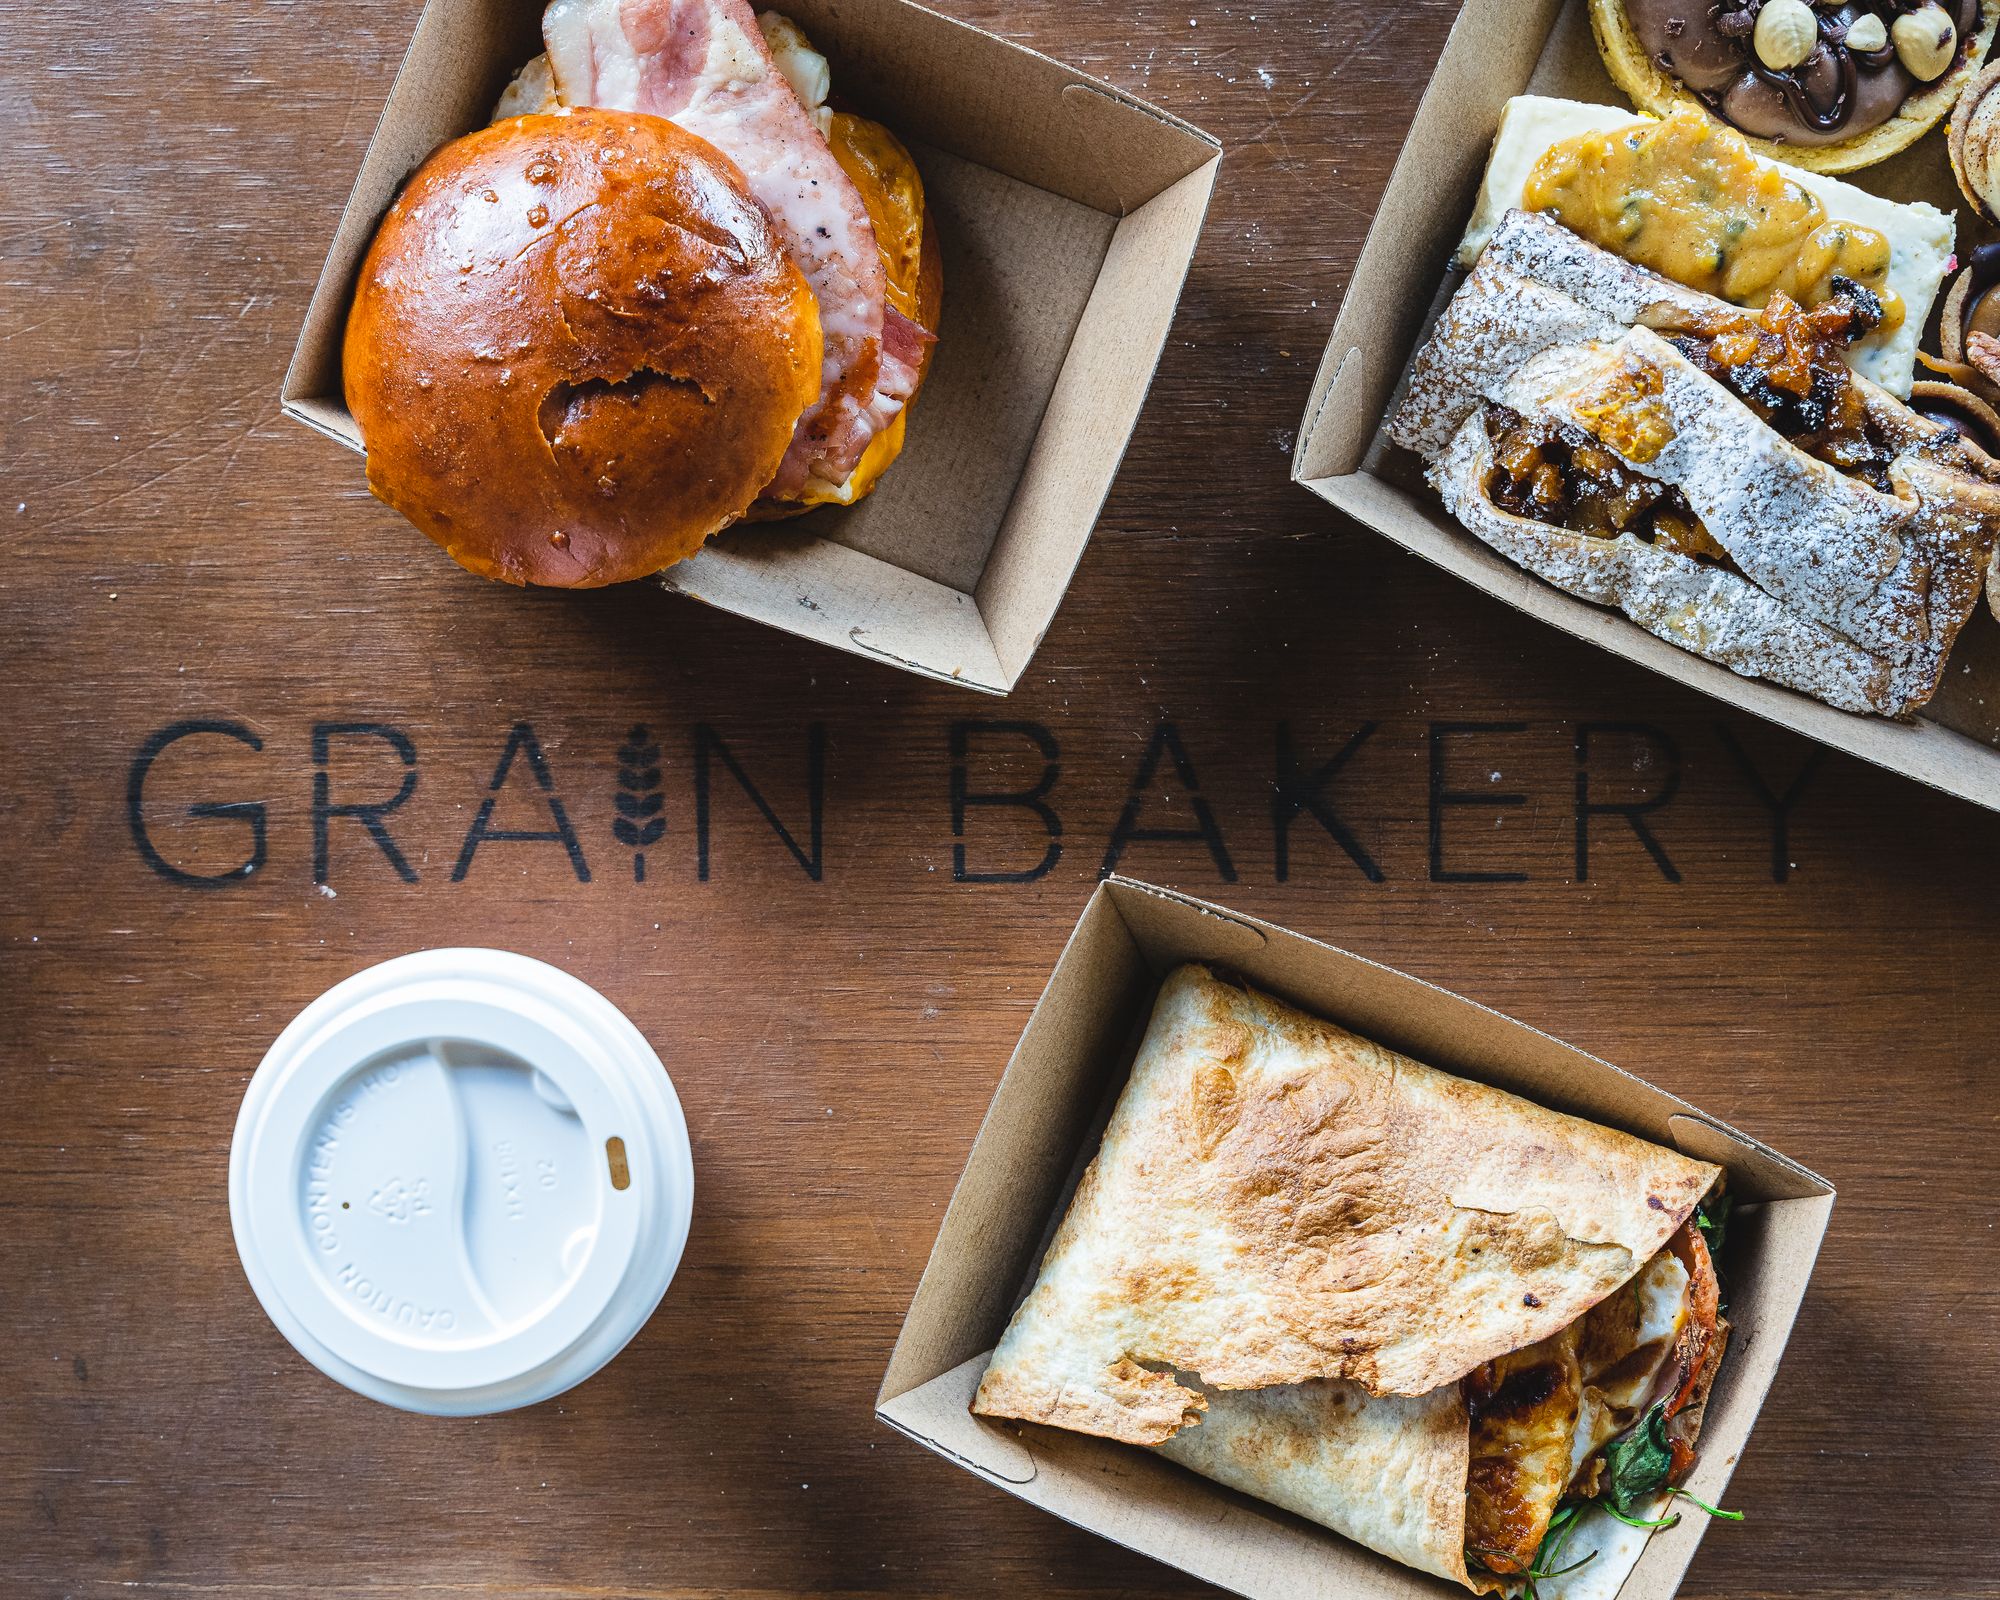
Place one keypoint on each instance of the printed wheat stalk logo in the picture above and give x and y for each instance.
(640, 802)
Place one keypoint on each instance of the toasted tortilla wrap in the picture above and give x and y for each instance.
(1389, 1471)
(1294, 1244)
(1464, 1480)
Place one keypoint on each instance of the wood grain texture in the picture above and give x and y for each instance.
(173, 551)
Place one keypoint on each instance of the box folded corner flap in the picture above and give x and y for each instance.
(1497, 49)
(1068, 212)
(938, 1415)
(1318, 452)
(1041, 1128)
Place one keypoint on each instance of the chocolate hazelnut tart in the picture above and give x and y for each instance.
(1828, 87)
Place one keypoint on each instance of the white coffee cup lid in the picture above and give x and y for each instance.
(460, 1181)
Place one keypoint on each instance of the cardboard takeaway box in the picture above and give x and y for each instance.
(1043, 1127)
(1068, 213)
(1498, 49)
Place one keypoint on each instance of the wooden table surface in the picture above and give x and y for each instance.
(176, 552)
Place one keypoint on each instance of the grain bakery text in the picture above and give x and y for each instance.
(216, 802)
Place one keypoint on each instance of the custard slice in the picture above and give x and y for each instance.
(1696, 205)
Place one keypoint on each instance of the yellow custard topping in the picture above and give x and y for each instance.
(1685, 198)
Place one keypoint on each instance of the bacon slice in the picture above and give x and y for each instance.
(704, 65)
(903, 343)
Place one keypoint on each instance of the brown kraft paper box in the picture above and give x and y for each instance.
(1068, 213)
(1498, 49)
(1043, 1127)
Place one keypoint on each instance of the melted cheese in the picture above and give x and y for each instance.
(1919, 236)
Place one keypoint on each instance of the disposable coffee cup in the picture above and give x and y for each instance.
(460, 1182)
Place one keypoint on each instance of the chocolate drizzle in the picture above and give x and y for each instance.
(1792, 86)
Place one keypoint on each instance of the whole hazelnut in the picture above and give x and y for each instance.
(1867, 33)
(1926, 42)
(1787, 33)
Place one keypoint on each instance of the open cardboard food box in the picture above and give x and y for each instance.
(1498, 49)
(1067, 212)
(1043, 1128)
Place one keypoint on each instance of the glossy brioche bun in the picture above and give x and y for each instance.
(1655, 90)
(577, 348)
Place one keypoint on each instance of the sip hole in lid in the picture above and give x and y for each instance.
(460, 1182)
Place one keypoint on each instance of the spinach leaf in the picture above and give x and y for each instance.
(1712, 1219)
(1637, 1462)
(1636, 1465)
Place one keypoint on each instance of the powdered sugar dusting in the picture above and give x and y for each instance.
(1843, 592)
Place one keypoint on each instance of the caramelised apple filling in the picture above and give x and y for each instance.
(1786, 364)
(1553, 472)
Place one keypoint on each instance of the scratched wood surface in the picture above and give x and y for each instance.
(835, 1014)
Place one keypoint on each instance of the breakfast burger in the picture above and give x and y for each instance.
(669, 288)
